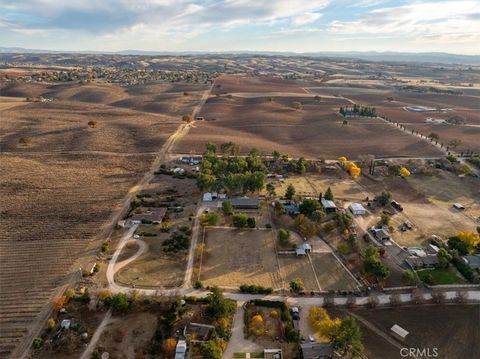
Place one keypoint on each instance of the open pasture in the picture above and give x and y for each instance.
(233, 257)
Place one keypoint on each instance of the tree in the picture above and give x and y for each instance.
(454, 143)
(169, 346)
(209, 219)
(404, 172)
(433, 136)
(384, 220)
(372, 264)
(322, 323)
(211, 147)
(92, 123)
(70, 293)
(120, 303)
(305, 226)
(271, 189)
(230, 148)
(257, 325)
(296, 285)
(308, 206)
(205, 181)
(444, 258)
(384, 198)
(354, 170)
(218, 306)
(213, 349)
(284, 236)
(470, 239)
(251, 222)
(290, 192)
(51, 323)
(329, 194)
(105, 295)
(240, 220)
(348, 338)
(227, 207)
(187, 118)
(409, 277)
(297, 105)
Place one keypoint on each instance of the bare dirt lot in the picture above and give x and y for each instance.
(456, 338)
(233, 257)
(271, 123)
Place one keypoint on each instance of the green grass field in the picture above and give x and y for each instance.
(440, 276)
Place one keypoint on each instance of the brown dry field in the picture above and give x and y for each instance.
(233, 257)
(234, 83)
(456, 337)
(315, 131)
(330, 273)
(60, 190)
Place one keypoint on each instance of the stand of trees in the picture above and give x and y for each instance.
(358, 110)
(233, 174)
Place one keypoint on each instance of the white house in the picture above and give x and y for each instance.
(357, 209)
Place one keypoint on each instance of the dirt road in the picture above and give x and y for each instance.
(87, 354)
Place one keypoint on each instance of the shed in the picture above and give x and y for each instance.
(357, 209)
(399, 331)
(329, 206)
(303, 249)
(272, 353)
(207, 197)
(381, 234)
(245, 203)
(458, 206)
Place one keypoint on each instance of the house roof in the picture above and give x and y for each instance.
(328, 204)
(356, 207)
(473, 261)
(316, 350)
(244, 201)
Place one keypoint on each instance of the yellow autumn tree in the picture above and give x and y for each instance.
(105, 294)
(322, 323)
(343, 159)
(469, 238)
(354, 170)
(257, 325)
(404, 172)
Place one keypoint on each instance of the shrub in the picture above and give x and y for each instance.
(37, 343)
(296, 285)
(240, 220)
(255, 289)
(284, 236)
(178, 241)
(251, 222)
(92, 123)
(70, 293)
(344, 249)
(198, 284)
(209, 219)
(104, 247)
(227, 207)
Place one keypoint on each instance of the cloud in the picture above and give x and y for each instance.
(116, 15)
(442, 21)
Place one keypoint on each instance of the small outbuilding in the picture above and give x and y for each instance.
(399, 332)
(207, 197)
(357, 209)
(329, 206)
(472, 261)
(303, 249)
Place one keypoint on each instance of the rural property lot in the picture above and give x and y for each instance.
(271, 123)
(233, 257)
(456, 337)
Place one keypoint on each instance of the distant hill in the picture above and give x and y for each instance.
(431, 57)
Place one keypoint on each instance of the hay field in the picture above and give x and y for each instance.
(233, 257)
(315, 131)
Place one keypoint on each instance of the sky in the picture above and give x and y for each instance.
(239, 25)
